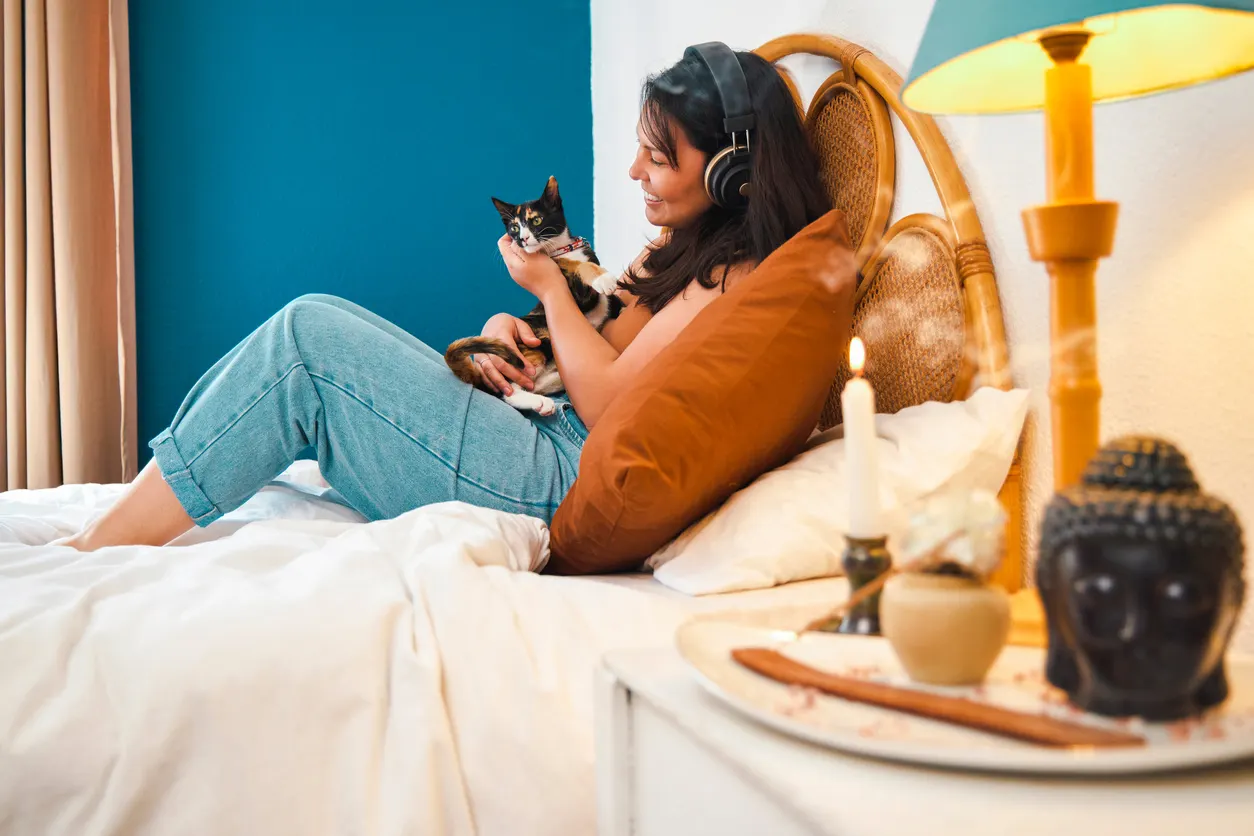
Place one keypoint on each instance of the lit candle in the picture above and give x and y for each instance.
(857, 403)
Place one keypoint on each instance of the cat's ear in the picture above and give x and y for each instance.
(550, 196)
(507, 210)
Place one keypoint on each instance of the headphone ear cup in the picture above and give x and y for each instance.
(727, 177)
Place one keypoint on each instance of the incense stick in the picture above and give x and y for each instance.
(1033, 728)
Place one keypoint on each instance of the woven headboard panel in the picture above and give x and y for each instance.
(927, 306)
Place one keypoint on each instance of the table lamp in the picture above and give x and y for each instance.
(1003, 56)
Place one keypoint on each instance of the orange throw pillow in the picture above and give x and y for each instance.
(736, 394)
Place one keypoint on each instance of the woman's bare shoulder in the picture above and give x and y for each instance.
(621, 331)
(657, 331)
(637, 263)
(737, 272)
(724, 278)
(636, 268)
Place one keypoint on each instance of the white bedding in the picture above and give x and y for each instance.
(310, 674)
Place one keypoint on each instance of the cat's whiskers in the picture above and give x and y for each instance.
(562, 239)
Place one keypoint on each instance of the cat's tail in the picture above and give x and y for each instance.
(459, 356)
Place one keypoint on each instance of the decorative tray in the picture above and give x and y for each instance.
(1016, 682)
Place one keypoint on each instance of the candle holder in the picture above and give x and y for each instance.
(864, 560)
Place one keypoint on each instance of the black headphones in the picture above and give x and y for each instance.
(727, 175)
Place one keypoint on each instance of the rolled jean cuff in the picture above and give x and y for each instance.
(177, 475)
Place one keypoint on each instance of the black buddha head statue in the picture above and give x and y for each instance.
(1141, 578)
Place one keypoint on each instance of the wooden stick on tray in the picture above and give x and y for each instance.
(1033, 728)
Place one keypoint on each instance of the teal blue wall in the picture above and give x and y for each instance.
(340, 146)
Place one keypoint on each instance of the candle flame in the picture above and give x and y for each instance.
(857, 355)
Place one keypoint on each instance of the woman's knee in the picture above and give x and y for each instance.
(321, 299)
(310, 326)
(326, 336)
(332, 303)
(303, 311)
(316, 312)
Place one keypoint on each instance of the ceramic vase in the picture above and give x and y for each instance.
(945, 629)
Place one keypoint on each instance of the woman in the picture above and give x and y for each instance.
(391, 426)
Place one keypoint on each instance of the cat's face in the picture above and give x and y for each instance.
(531, 224)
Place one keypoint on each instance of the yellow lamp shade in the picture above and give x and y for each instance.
(983, 56)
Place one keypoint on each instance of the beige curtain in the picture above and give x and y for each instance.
(69, 288)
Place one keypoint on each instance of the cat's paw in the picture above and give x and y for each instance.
(606, 283)
(524, 400)
(607, 286)
(593, 275)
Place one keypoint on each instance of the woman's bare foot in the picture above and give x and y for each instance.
(149, 514)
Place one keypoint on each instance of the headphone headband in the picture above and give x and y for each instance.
(729, 78)
(728, 172)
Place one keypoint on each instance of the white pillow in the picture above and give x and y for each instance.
(789, 524)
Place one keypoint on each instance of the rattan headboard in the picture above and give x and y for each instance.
(927, 306)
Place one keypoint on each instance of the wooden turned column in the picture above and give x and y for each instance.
(1069, 234)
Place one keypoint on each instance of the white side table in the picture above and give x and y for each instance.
(673, 761)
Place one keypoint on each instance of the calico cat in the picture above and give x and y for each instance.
(540, 226)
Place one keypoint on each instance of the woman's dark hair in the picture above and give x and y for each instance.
(787, 193)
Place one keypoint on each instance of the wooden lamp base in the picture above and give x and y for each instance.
(1069, 234)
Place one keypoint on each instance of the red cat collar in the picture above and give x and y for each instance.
(569, 248)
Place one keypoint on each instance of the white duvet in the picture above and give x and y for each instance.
(304, 675)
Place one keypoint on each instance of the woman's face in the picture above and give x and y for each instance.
(673, 197)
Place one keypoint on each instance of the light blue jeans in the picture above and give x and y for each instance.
(392, 428)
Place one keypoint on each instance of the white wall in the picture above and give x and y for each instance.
(1176, 300)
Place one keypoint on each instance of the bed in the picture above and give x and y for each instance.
(293, 670)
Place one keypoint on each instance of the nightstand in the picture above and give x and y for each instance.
(673, 761)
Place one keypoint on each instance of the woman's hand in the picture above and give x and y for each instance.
(533, 272)
(498, 373)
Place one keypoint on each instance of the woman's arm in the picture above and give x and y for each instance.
(619, 332)
(592, 370)
(497, 373)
